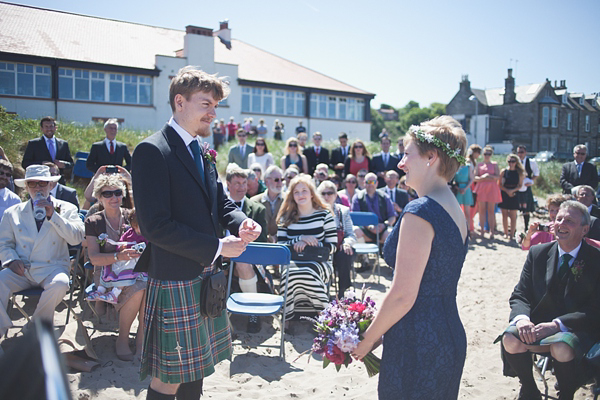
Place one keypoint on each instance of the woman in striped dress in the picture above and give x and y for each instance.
(305, 220)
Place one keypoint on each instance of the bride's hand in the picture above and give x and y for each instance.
(363, 348)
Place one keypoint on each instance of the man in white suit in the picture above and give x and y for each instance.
(35, 252)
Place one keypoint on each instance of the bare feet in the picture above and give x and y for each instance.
(123, 351)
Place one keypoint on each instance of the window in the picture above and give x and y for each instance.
(97, 86)
(256, 100)
(544, 143)
(554, 117)
(25, 80)
(300, 103)
(290, 106)
(267, 101)
(342, 108)
(322, 106)
(570, 121)
(131, 82)
(65, 83)
(598, 124)
(352, 109)
(545, 117)
(115, 88)
(245, 99)
(82, 84)
(279, 102)
(565, 97)
(587, 123)
(581, 100)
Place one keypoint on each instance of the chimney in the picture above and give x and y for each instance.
(224, 33)
(509, 88)
(465, 85)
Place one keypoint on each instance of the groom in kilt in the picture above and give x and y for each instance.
(181, 208)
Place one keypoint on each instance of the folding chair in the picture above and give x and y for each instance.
(261, 304)
(79, 169)
(361, 218)
(541, 364)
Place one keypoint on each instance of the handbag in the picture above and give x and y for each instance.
(213, 295)
(310, 253)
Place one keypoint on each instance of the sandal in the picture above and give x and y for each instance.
(108, 297)
(93, 296)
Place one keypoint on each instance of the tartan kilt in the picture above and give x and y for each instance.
(526, 197)
(580, 342)
(180, 345)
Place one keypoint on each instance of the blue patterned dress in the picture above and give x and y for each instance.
(424, 353)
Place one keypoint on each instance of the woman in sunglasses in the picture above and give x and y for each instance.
(357, 159)
(261, 155)
(100, 229)
(488, 193)
(350, 184)
(293, 156)
(511, 180)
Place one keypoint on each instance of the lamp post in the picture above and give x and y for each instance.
(474, 99)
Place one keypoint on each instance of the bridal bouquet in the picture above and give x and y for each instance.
(339, 328)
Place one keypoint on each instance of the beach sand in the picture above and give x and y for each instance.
(491, 270)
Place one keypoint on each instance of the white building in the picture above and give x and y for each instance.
(85, 69)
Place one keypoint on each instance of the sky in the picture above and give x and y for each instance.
(400, 50)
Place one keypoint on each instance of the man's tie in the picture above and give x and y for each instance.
(579, 169)
(563, 268)
(242, 151)
(198, 159)
(317, 151)
(238, 204)
(385, 159)
(344, 152)
(51, 149)
(112, 147)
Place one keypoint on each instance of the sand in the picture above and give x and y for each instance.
(491, 270)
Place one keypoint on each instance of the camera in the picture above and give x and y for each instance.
(543, 228)
(112, 169)
(140, 247)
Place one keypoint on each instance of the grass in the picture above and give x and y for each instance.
(16, 132)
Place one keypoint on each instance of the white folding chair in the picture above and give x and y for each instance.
(261, 304)
(362, 218)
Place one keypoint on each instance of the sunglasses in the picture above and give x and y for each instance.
(487, 154)
(6, 173)
(276, 180)
(328, 193)
(32, 184)
(107, 194)
(352, 182)
(259, 144)
(292, 145)
(359, 147)
(371, 181)
(257, 170)
(361, 176)
(581, 154)
(512, 161)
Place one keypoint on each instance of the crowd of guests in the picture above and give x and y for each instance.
(304, 200)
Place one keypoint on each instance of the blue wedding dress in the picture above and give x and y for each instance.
(424, 353)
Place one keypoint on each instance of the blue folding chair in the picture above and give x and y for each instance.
(361, 218)
(261, 304)
(79, 168)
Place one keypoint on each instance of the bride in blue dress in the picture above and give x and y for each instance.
(424, 345)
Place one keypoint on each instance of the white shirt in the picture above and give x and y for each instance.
(535, 171)
(7, 199)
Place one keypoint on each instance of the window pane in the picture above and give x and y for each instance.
(342, 109)
(361, 110)
(268, 104)
(82, 88)
(351, 109)
(545, 117)
(65, 87)
(116, 92)
(289, 104)
(300, 104)
(331, 107)
(97, 90)
(7, 82)
(313, 105)
(146, 94)
(279, 105)
(25, 84)
(245, 101)
(322, 106)
(255, 100)
(131, 92)
(43, 86)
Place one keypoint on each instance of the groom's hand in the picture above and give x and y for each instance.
(232, 246)
(249, 230)
(526, 331)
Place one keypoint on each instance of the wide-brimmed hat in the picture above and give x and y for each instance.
(36, 173)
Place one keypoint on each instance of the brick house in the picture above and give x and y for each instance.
(541, 116)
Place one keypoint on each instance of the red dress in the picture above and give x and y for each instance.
(355, 167)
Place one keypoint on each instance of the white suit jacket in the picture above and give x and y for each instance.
(47, 249)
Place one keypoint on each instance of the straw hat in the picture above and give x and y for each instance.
(36, 173)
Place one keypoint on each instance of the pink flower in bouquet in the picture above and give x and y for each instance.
(357, 307)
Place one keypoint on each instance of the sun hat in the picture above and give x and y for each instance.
(37, 173)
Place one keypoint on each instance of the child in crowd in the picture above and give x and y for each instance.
(120, 274)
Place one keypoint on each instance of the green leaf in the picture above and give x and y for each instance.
(326, 362)
(338, 367)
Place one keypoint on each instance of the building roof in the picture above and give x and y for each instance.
(495, 97)
(41, 32)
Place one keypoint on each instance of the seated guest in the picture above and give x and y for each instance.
(109, 151)
(384, 161)
(412, 194)
(399, 197)
(360, 179)
(113, 221)
(554, 307)
(289, 174)
(305, 220)
(34, 252)
(255, 185)
(48, 148)
(320, 174)
(7, 197)
(344, 257)
(350, 189)
(586, 196)
(237, 187)
(544, 233)
(125, 178)
(358, 159)
(371, 200)
(60, 191)
(271, 199)
(292, 155)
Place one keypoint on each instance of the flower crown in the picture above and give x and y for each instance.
(431, 139)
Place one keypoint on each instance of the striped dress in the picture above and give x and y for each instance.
(307, 286)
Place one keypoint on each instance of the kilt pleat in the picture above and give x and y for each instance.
(179, 344)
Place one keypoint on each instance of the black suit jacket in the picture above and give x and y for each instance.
(37, 152)
(377, 165)
(67, 194)
(312, 159)
(537, 294)
(569, 178)
(179, 215)
(594, 232)
(400, 196)
(337, 158)
(257, 212)
(99, 156)
(595, 211)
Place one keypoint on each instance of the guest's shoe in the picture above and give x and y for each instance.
(253, 324)
(529, 394)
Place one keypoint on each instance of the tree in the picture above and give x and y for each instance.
(377, 125)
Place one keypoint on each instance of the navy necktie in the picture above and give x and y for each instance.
(198, 159)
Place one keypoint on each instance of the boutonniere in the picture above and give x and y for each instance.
(102, 239)
(209, 154)
(577, 269)
(57, 209)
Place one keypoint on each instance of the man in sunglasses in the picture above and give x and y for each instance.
(7, 197)
(578, 172)
(34, 252)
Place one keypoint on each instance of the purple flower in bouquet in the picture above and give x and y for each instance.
(346, 337)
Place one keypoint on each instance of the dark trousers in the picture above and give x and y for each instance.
(342, 263)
